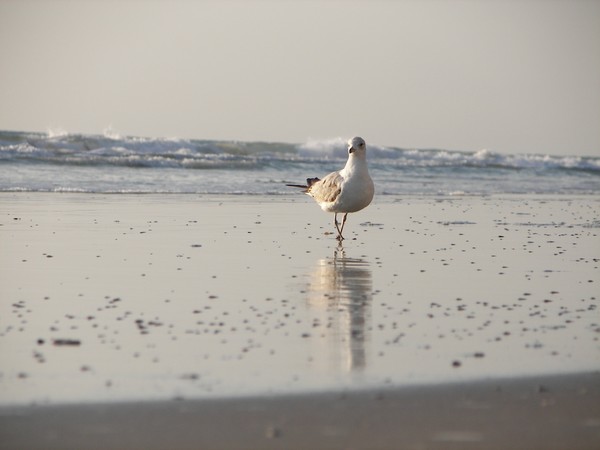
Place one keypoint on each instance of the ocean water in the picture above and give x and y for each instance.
(108, 163)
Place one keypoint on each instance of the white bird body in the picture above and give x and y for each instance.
(348, 190)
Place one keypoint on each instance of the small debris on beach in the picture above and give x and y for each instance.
(66, 342)
(273, 432)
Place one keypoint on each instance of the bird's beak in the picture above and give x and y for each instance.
(351, 150)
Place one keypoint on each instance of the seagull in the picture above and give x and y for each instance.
(345, 191)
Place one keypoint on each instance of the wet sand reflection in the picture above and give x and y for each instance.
(339, 298)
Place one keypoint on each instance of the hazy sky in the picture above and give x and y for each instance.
(509, 76)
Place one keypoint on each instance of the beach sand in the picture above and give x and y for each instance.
(541, 413)
(179, 321)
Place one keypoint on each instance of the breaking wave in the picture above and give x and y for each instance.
(61, 148)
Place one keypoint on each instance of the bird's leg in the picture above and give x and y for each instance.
(337, 227)
(343, 223)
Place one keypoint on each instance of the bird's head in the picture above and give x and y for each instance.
(357, 145)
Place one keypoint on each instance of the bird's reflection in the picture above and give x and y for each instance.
(340, 294)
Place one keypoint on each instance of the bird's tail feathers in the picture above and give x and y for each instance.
(309, 183)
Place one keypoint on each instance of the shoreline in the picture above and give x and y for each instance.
(380, 197)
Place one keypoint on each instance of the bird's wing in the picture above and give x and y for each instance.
(328, 189)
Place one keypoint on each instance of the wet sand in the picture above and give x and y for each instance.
(142, 307)
(545, 412)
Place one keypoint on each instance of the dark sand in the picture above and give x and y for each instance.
(534, 413)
